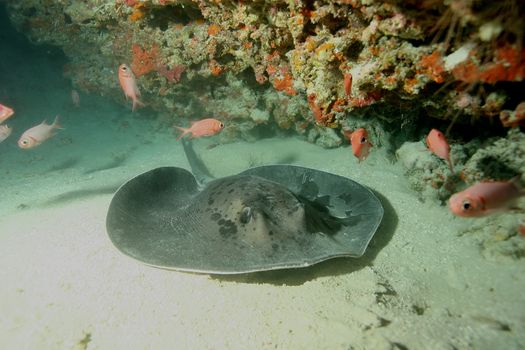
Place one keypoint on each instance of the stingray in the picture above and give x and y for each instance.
(264, 218)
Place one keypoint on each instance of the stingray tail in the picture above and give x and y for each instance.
(199, 170)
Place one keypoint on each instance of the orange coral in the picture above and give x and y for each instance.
(433, 66)
(285, 84)
(508, 65)
(136, 15)
(338, 105)
(310, 44)
(213, 29)
(282, 79)
(321, 117)
(410, 85)
(215, 68)
(370, 98)
(271, 70)
(137, 12)
(347, 83)
(144, 61)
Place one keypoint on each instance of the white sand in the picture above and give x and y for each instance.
(64, 286)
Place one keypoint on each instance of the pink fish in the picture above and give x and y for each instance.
(203, 127)
(5, 131)
(37, 134)
(75, 98)
(486, 198)
(5, 112)
(437, 143)
(360, 143)
(129, 85)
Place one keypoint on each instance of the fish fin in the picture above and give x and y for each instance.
(450, 165)
(184, 131)
(56, 123)
(137, 103)
(516, 181)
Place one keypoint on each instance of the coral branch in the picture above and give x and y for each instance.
(321, 117)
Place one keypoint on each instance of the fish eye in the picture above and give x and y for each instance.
(221, 125)
(25, 142)
(363, 139)
(124, 68)
(466, 205)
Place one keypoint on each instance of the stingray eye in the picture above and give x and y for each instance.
(246, 215)
(466, 205)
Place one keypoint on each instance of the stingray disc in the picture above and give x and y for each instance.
(265, 218)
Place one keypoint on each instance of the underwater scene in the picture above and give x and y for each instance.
(267, 174)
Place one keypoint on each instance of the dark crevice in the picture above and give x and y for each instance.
(165, 16)
(354, 50)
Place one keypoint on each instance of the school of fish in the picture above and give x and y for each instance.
(480, 199)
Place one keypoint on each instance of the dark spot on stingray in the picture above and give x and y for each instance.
(228, 229)
(270, 233)
(221, 222)
(210, 201)
(275, 246)
(231, 190)
(215, 216)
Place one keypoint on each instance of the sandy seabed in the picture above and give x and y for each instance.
(420, 285)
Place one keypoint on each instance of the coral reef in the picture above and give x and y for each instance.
(314, 68)
(461, 60)
(497, 159)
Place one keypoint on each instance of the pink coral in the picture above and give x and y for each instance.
(173, 75)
